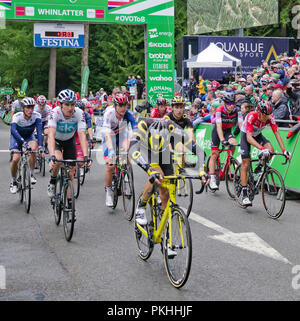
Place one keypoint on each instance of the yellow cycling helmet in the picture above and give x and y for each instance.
(177, 100)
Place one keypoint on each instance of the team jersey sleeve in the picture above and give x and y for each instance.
(39, 130)
(250, 119)
(273, 124)
(81, 124)
(218, 116)
(88, 120)
(52, 118)
(107, 123)
(14, 131)
(139, 136)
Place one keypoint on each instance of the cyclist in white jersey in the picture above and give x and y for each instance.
(63, 122)
(44, 110)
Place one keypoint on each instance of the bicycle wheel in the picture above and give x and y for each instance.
(27, 188)
(82, 172)
(229, 177)
(185, 195)
(57, 206)
(273, 193)
(144, 235)
(20, 187)
(76, 181)
(177, 248)
(68, 213)
(43, 166)
(128, 194)
(238, 186)
(114, 188)
(216, 173)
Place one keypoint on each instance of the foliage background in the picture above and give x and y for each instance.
(115, 51)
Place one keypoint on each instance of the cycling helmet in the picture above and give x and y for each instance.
(177, 100)
(158, 135)
(27, 101)
(79, 104)
(228, 97)
(161, 101)
(265, 107)
(41, 100)
(120, 99)
(67, 96)
(21, 94)
(87, 104)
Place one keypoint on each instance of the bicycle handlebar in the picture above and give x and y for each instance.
(277, 154)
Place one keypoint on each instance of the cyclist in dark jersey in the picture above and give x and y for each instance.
(153, 138)
(227, 116)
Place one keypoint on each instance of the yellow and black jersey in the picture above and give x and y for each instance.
(184, 122)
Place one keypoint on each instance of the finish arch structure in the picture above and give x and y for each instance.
(156, 15)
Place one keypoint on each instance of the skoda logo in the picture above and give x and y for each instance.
(73, 1)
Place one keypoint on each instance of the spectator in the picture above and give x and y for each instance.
(128, 83)
(139, 87)
(293, 92)
(201, 87)
(242, 83)
(280, 111)
(192, 87)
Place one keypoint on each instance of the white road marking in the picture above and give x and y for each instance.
(247, 241)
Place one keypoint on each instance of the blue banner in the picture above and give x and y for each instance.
(251, 50)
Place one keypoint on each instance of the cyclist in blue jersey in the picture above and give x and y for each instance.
(118, 126)
(22, 127)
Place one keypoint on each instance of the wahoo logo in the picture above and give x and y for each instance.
(7, 2)
(161, 78)
(114, 4)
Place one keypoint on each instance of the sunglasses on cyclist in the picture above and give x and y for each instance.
(229, 104)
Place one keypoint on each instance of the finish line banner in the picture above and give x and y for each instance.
(157, 15)
(251, 51)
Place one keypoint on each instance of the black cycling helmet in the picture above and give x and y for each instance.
(80, 104)
(161, 101)
(228, 97)
(159, 134)
(265, 107)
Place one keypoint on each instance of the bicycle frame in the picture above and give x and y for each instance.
(223, 166)
(168, 182)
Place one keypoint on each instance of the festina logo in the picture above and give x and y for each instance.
(60, 43)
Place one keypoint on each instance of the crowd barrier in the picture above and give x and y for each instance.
(5, 117)
(289, 172)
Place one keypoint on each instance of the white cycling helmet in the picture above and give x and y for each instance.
(67, 96)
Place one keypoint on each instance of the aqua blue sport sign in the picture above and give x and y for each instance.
(57, 35)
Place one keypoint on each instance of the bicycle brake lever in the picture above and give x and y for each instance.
(201, 189)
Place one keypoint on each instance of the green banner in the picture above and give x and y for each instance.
(289, 171)
(24, 85)
(158, 15)
(6, 91)
(85, 80)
